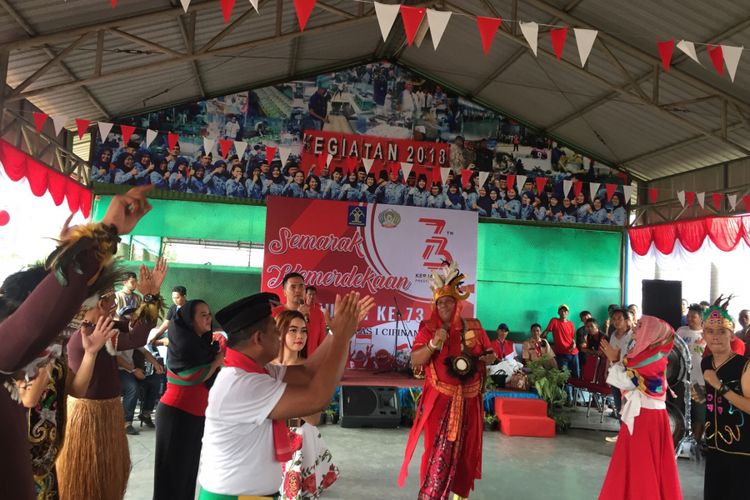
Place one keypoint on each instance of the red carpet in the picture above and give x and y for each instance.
(524, 417)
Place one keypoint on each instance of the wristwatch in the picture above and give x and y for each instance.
(151, 298)
(723, 389)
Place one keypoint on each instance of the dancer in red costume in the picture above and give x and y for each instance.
(643, 464)
(454, 352)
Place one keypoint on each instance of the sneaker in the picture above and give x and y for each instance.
(130, 430)
(611, 439)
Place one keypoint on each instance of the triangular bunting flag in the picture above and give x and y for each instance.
(367, 162)
(436, 175)
(185, 4)
(483, 178)
(510, 181)
(466, 176)
(304, 8)
(585, 41)
(150, 136)
(82, 126)
(59, 121)
(717, 57)
(412, 18)
(39, 120)
(567, 184)
(329, 159)
(716, 198)
(665, 52)
(225, 145)
(681, 197)
(172, 139)
(284, 153)
(127, 132)
(689, 198)
(531, 34)
(114, 3)
(240, 147)
(488, 27)
(444, 171)
(438, 21)
(611, 188)
(746, 201)
(627, 192)
(594, 189)
(406, 168)
(732, 199)
(652, 195)
(395, 168)
(104, 129)
(271, 153)
(688, 48)
(386, 15)
(320, 164)
(351, 164)
(540, 182)
(520, 181)
(226, 9)
(731, 58)
(558, 36)
(577, 188)
(208, 145)
(254, 3)
(701, 197)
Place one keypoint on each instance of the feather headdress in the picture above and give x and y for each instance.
(447, 281)
(718, 316)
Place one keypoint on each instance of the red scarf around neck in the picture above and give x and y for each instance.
(281, 442)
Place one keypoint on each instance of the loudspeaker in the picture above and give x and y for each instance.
(369, 407)
(663, 299)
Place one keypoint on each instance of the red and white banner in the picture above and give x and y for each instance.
(385, 251)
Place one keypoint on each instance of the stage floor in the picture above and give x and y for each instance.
(380, 379)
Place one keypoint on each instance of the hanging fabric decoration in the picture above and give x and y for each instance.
(716, 198)
(329, 159)
(104, 129)
(444, 171)
(681, 197)
(665, 51)
(59, 122)
(304, 8)
(406, 168)
(585, 41)
(438, 21)
(577, 188)
(284, 153)
(717, 57)
(558, 36)
(271, 153)
(520, 181)
(367, 162)
(483, 178)
(701, 199)
(127, 132)
(208, 145)
(732, 199)
(225, 145)
(386, 15)
(510, 181)
(436, 175)
(688, 48)
(351, 163)
(611, 188)
(320, 164)
(488, 27)
(466, 174)
(226, 9)
(689, 198)
(412, 18)
(746, 201)
(593, 189)
(82, 126)
(172, 139)
(114, 3)
(150, 136)
(240, 147)
(531, 34)
(39, 120)
(731, 58)
(185, 5)
(652, 195)
(254, 3)
(567, 184)
(627, 192)
(540, 183)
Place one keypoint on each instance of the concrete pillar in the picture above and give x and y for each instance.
(715, 282)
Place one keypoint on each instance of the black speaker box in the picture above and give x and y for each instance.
(663, 299)
(369, 407)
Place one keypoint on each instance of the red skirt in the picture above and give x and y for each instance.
(643, 466)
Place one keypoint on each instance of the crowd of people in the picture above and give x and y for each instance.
(254, 177)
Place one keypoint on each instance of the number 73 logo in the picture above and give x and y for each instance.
(435, 251)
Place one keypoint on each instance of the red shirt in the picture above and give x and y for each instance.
(563, 336)
(738, 347)
(316, 326)
(503, 348)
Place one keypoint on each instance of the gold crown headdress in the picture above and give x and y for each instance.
(447, 283)
(718, 316)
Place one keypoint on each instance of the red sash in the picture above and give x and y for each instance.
(281, 442)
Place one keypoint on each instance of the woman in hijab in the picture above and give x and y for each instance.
(598, 214)
(193, 361)
(527, 205)
(276, 184)
(554, 212)
(484, 203)
(160, 176)
(234, 186)
(216, 180)
(178, 179)
(496, 204)
(512, 206)
(619, 214)
(436, 198)
(351, 190)
(568, 211)
(254, 183)
(125, 172)
(102, 167)
(195, 181)
(370, 193)
(418, 194)
(333, 190)
(454, 199)
(643, 462)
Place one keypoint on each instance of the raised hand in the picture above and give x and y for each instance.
(125, 210)
(364, 305)
(94, 340)
(149, 281)
(346, 315)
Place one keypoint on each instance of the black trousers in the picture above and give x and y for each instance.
(178, 453)
(726, 476)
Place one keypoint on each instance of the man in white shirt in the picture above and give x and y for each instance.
(246, 440)
(692, 334)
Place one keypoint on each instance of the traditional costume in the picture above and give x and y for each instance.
(643, 462)
(728, 455)
(450, 410)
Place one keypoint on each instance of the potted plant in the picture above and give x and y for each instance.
(549, 383)
(490, 422)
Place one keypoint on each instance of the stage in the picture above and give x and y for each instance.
(383, 378)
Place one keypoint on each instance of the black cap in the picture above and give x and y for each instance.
(246, 311)
(503, 326)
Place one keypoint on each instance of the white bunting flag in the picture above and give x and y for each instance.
(185, 4)
(367, 162)
(520, 181)
(387, 15)
(59, 122)
(731, 58)
(284, 153)
(483, 178)
(406, 168)
(701, 197)
(254, 3)
(681, 197)
(438, 20)
(444, 171)
(585, 41)
(627, 190)
(208, 145)
(329, 159)
(593, 189)
(104, 130)
(150, 136)
(240, 147)
(531, 34)
(732, 198)
(688, 48)
(566, 188)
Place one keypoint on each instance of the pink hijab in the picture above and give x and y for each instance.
(652, 332)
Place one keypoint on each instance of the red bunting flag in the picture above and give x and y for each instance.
(83, 126)
(351, 163)
(652, 195)
(224, 146)
(510, 181)
(717, 57)
(611, 188)
(172, 140)
(226, 9)
(436, 175)
(39, 120)
(271, 152)
(746, 201)
(689, 198)
(466, 176)
(488, 26)
(412, 18)
(717, 197)
(577, 188)
(320, 163)
(665, 51)
(127, 132)
(540, 182)
(304, 8)
(558, 36)
(395, 168)
(114, 3)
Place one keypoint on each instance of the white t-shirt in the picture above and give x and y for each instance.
(623, 343)
(238, 452)
(696, 346)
